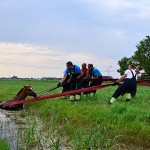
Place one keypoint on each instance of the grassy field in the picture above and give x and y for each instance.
(3, 145)
(88, 123)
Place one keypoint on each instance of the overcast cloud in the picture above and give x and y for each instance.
(37, 38)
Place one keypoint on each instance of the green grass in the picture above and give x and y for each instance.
(88, 123)
(3, 145)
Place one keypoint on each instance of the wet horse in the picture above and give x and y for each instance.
(21, 95)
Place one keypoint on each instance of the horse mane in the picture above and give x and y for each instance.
(19, 91)
(23, 89)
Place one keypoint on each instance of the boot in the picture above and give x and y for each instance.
(77, 97)
(112, 100)
(128, 97)
(71, 98)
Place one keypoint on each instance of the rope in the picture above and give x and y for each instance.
(144, 82)
(57, 95)
(46, 91)
(68, 93)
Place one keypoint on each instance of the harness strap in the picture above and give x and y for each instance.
(133, 74)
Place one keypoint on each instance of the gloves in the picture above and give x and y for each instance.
(59, 84)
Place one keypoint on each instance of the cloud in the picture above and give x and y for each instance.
(40, 36)
(126, 8)
(26, 60)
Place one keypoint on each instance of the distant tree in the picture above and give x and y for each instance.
(14, 77)
(124, 63)
(142, 54)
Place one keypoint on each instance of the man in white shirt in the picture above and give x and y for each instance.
(128, 86)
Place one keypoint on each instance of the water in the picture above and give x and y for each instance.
(8, 128)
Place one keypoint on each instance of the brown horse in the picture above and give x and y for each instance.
(21, 95)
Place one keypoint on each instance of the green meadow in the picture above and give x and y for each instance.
(88, 124)
(4, 145)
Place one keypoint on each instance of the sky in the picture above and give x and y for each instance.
(37, 38)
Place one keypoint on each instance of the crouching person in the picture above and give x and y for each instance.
(94, 76)
(84, 78)
(72, 79)
(128, 86)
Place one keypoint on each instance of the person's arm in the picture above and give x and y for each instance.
(69, 78)
(96, 75)
(95, 78)
(78, 71)
(121, 78)
(85, 74)
(80, 75)
(64, 78)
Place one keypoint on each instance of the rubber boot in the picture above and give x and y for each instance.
(92, 94)
(128, 97)
(77, 97)
(112, 100)
(72, 98)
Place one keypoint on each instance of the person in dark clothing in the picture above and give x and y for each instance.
(72, 78)
(65, 84)
(137, 71)
(94, 76)
(128, 86)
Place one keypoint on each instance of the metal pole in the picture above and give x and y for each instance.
(108, 69)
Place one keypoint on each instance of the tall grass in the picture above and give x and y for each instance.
(88, 124)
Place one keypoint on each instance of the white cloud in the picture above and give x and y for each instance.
(53, 32)
(26, 60)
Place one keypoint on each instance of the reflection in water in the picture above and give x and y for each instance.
(8, 128)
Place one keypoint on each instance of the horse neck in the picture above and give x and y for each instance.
(21, 96)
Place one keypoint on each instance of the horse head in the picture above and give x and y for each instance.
(29, 91)
(26, 91)
(21, 95)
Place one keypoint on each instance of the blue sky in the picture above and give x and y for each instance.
(37, 38)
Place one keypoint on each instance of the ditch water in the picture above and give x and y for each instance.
(8, 128)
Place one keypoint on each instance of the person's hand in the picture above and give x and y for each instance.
(59, 84)
(115, 83)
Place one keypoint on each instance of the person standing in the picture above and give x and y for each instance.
(94, 76)
(128, 86)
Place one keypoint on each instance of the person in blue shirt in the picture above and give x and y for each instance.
(72, 78)
(95, 76)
